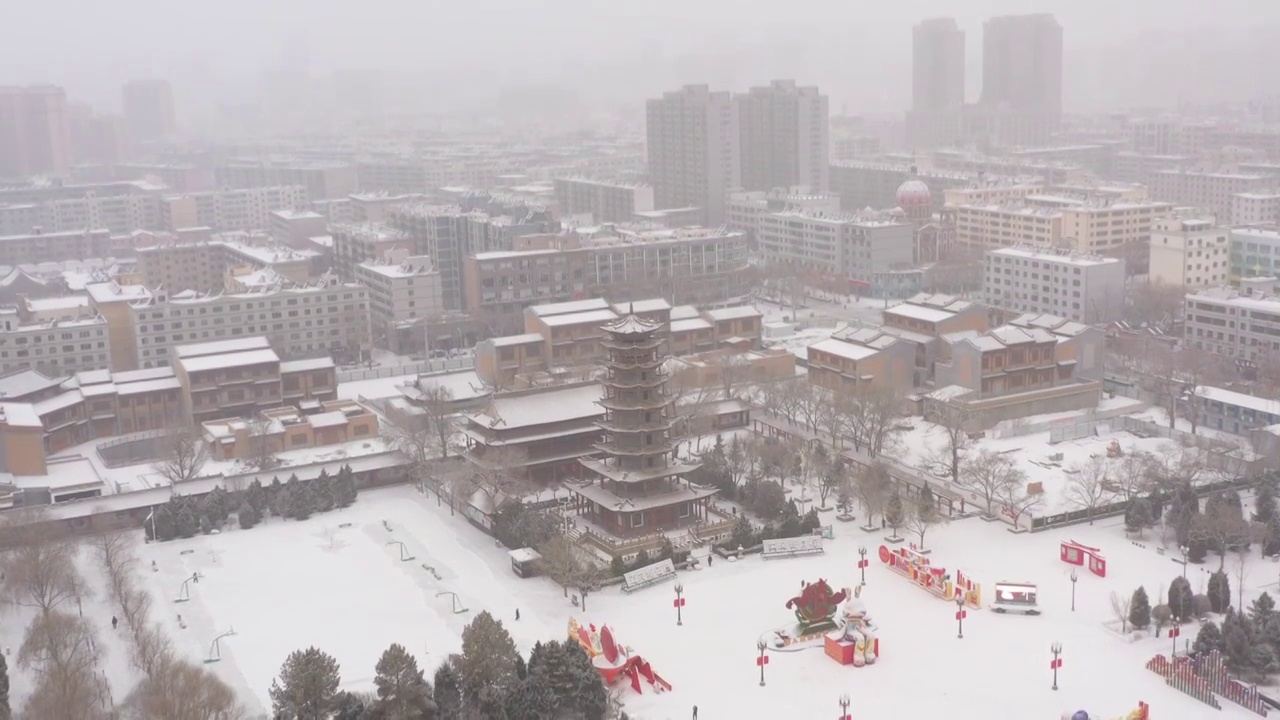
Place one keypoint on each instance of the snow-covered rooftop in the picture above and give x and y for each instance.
(919, 312)
(219, 347)
(843, 349)
(542, 406)
(238, 359)
(306, 365)
(567, 308)
(733, 313)
(590, 316)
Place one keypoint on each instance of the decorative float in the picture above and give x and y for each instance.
(856, 643)
(847, 635)
(915, 567)
(613, 661)
(1142, 713)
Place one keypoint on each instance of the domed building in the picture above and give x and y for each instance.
(916, 201)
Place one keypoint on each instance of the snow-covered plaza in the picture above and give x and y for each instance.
(338, 581)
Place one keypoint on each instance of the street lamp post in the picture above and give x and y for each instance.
(762, 660)
(862, 563)
(679, 604)
(1056, 649)
(1075, 576)
(844, 707)
(584, 592)
(960, 615)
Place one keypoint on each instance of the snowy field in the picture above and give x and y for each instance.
(287, 585)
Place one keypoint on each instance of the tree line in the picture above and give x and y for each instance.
(488, 680)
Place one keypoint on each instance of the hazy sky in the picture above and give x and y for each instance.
(619, 52)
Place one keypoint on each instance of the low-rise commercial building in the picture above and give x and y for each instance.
(279, 429)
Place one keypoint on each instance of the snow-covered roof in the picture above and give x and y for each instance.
(919, 312)
(542, 406)
(590, 316)
(733, 313)
(213, 362)
(843, 349)
(19, 415)
(142, 386)
(66, 302)
(25, 382)
(684, 312)
(1230, 397)
(632, 325)
(567, 308)
(292, 366)
(333, 418)
(687, 324)
(219, 347)
(641, 306)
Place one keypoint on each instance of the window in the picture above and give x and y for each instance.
(637, 520)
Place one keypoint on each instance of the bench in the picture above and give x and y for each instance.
(792, 547)
(648, 575)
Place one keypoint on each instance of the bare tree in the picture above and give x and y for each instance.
(1087, 485)
(948, 458)
(1242, 574)
(873, 489)
(499, 473)
(1120, 608)
(560, 561)
(262, 449)
(737, 461)
(832, 475)
(1185, 466)
(41, 574)
(436, 403)
(1220, 527)
(61, 652)
(418, 441)
(1130, 475)
(872, 415)
(1198, 369)
(182, 691)
(1016, 502)
(183, 459)
(922, 514)
(991, 474)
(731, 371)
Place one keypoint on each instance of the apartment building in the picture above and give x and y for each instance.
(1138, 166)
(57, 346)
(257, 251)
(357, 243)
(1255, 208)
(567, 334)
(607, 201)
(293, 227)
(322, 179)
(848, 365)
(1254, 252)
(1189, 251)
(1240, 325)
(1207, 190)
(280, 429)
(1081, 287)
(785, 137)
(858, 251)
(744, 210)
(404, 294)
(35, 131)
(694, 265)
(991, 193)
(323, 317)
(236, 209)
(40, 246)
(148, 109)
(117, 207)
(178, 266)
(694, 149)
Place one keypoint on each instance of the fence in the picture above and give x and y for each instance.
(378, 372)
(1118, 507)
(1231, 458)
(133, 448)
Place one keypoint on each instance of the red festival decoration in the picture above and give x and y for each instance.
(678, 602)
(1076, 554)
(1055, 663)
(762, 660)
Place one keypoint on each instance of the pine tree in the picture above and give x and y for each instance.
(1180, 602)
(6, 713)
(1262, 658)
(206, 525)
(306, 687)
(1236, 642)
(447, 690)
(531, 700)
(893, 512)
(349, 706)
(487, 660)
(403, 693)
(549, 664)
(1271, 545)
(248, 515)
(163, 523)
(303, 501)
(522, 669)
(1137, 516)
(345, 487)
(590, 699)
(1264, 502)
(281, 499)
(1262, 610)
(187, 524)
(324, 489)
(256, 496)
(217, 506)
(1209, 638)
(1219, 592)
(1140, 609)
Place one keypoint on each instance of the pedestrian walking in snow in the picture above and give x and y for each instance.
(195, 578)
(517, 613)
(153, 566)
(114, 622)
(695, 712)
(710, 559)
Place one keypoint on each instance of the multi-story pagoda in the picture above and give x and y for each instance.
(639, 487)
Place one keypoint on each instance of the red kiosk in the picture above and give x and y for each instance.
(1076, 554)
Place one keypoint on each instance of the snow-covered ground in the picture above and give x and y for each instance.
(287, 585)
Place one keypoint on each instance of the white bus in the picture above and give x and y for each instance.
(1017, 597)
